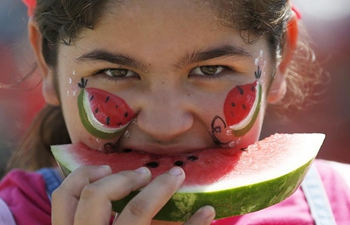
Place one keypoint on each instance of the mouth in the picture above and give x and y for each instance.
(156, 157)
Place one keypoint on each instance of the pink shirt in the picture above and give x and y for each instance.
(24, 194)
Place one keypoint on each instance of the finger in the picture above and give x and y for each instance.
(204, 216)
(65, 198)
(94, 206)
(143, 207)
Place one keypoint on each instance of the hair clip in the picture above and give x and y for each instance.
(31, 4)
(296, 11)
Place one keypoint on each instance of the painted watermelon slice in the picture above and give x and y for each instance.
(241, 107)
(234, 183)
(104, 115)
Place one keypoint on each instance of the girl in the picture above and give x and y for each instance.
(172, 64)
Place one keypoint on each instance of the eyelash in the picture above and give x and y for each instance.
(225, 71)
(103, 74)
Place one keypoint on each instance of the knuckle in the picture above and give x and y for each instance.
(89, 191)
(138, 207)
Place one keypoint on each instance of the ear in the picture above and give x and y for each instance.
(48, 87)
(279, 86)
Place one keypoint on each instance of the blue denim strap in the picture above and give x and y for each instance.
(317, 198)
(52, 179)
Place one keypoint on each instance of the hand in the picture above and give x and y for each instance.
(85, 197)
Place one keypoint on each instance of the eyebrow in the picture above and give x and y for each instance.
(190, 58)
(222, 51)
(106, 56)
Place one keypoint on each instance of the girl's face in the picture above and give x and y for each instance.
(174, 69)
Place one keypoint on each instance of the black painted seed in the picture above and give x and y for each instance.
(244, 107)
(96, 110)
(92, 97)
(253, 88)
(192, 158)
(240, 90)
(126, 114)
(233, 104)
(107, 99)
(108, 120)
(179, 163)
(152, 164)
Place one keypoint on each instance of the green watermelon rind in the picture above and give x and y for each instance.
(240, 132)
(92, 130)
(230, 202)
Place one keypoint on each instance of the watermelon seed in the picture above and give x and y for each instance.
(107, 99)
(244, 149)
(240, 90)
(96, 110)
(192, 158)
(258, 73)
(233, 104)
(108, 120)
(116, 106)
(92, 97)
(127, 150)
(126, 114)
(179, 163)
(244, 107)
(152, 164)
(253, 88)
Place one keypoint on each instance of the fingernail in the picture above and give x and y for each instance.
(176, 171)
(207, 212)
(115, 218)
(142, 170)
(106, 168)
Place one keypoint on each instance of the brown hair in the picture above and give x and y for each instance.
(60, 21)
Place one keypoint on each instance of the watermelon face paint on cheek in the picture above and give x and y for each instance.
(103, 114)
(241, 109)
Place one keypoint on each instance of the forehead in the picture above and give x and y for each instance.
(161, 27)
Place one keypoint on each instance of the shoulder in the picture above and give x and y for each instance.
(24, 194)
(336, 181)
(330, 170)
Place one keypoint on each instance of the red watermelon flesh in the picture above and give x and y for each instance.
(108, 109)
(242, 106)
(211, 168)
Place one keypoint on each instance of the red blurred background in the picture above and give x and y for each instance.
(328, 23)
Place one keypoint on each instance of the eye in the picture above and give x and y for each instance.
(118, 73)
(207, 70)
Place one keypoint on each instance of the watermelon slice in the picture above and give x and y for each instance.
(233, 181)
(104, 115)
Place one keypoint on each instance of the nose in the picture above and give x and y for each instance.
(165, 116)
